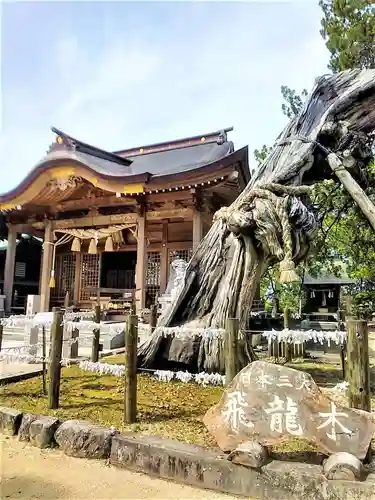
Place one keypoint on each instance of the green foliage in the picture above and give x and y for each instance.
(293, 102)
(261, 154)
(364, 304)
(348, 26)
(282, 295)
(345, 235)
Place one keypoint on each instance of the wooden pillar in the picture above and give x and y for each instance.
(77, 279)
(9, 267)
(46, 267)
(197, 228)
(198, 218)
(164, 258)
(141, 272)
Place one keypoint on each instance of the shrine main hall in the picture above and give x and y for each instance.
(112, 222)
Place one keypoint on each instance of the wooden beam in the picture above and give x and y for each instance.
(175, 213)
(106, 220)
(103, 201)
(98, 220)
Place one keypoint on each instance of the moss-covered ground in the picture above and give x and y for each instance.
(172, 410)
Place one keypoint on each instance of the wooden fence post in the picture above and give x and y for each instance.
(57, 330)
(153, 316)
(44, 354)
(130, 388)
(231, 349)
(358, 367)
(96, 336)
(288, 348)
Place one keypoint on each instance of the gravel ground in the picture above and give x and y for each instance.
(29, 473)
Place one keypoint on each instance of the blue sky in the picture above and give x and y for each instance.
(123, 74)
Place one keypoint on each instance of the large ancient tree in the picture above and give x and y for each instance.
(272, 220)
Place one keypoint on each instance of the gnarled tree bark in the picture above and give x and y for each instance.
(272, 220)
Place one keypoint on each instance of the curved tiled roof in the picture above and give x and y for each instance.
(165, 160)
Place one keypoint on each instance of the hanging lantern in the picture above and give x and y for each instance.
(108, 244)
(92, 247)
(76, 245)
(330, 294)
(312, 294)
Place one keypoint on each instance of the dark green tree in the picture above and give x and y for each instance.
(345, 236)
(348, 27)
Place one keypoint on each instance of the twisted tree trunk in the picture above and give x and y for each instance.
(272, 220)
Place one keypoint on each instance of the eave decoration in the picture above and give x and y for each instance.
(63, 184)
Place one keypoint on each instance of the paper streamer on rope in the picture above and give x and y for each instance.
(22, 355)
(300, 336)
(162, 375)
(181, 332)
(77, 321)
(202, 378)
(102, 368)
(45, 319)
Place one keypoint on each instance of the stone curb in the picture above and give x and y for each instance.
(193, 465)
(17, 377)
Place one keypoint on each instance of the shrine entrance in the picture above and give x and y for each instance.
(118, 270)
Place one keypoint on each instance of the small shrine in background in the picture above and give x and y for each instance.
(112, 223)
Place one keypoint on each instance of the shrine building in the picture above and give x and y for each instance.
(112, 223)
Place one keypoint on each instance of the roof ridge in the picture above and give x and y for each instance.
(70, 142)
(176, 143)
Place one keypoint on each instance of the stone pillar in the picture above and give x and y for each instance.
(164, 258)
(141, 269)
(9, 267)
(46, 267)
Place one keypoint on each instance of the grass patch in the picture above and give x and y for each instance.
(324, 374)
(172, 410)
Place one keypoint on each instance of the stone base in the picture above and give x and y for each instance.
(195, 466)
(42, 431)
(192, 465)
(250, 454)
(343, 467)
(27, 420)
(84, 440)
(10, 421)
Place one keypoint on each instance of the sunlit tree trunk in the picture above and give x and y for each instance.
(272, 220)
